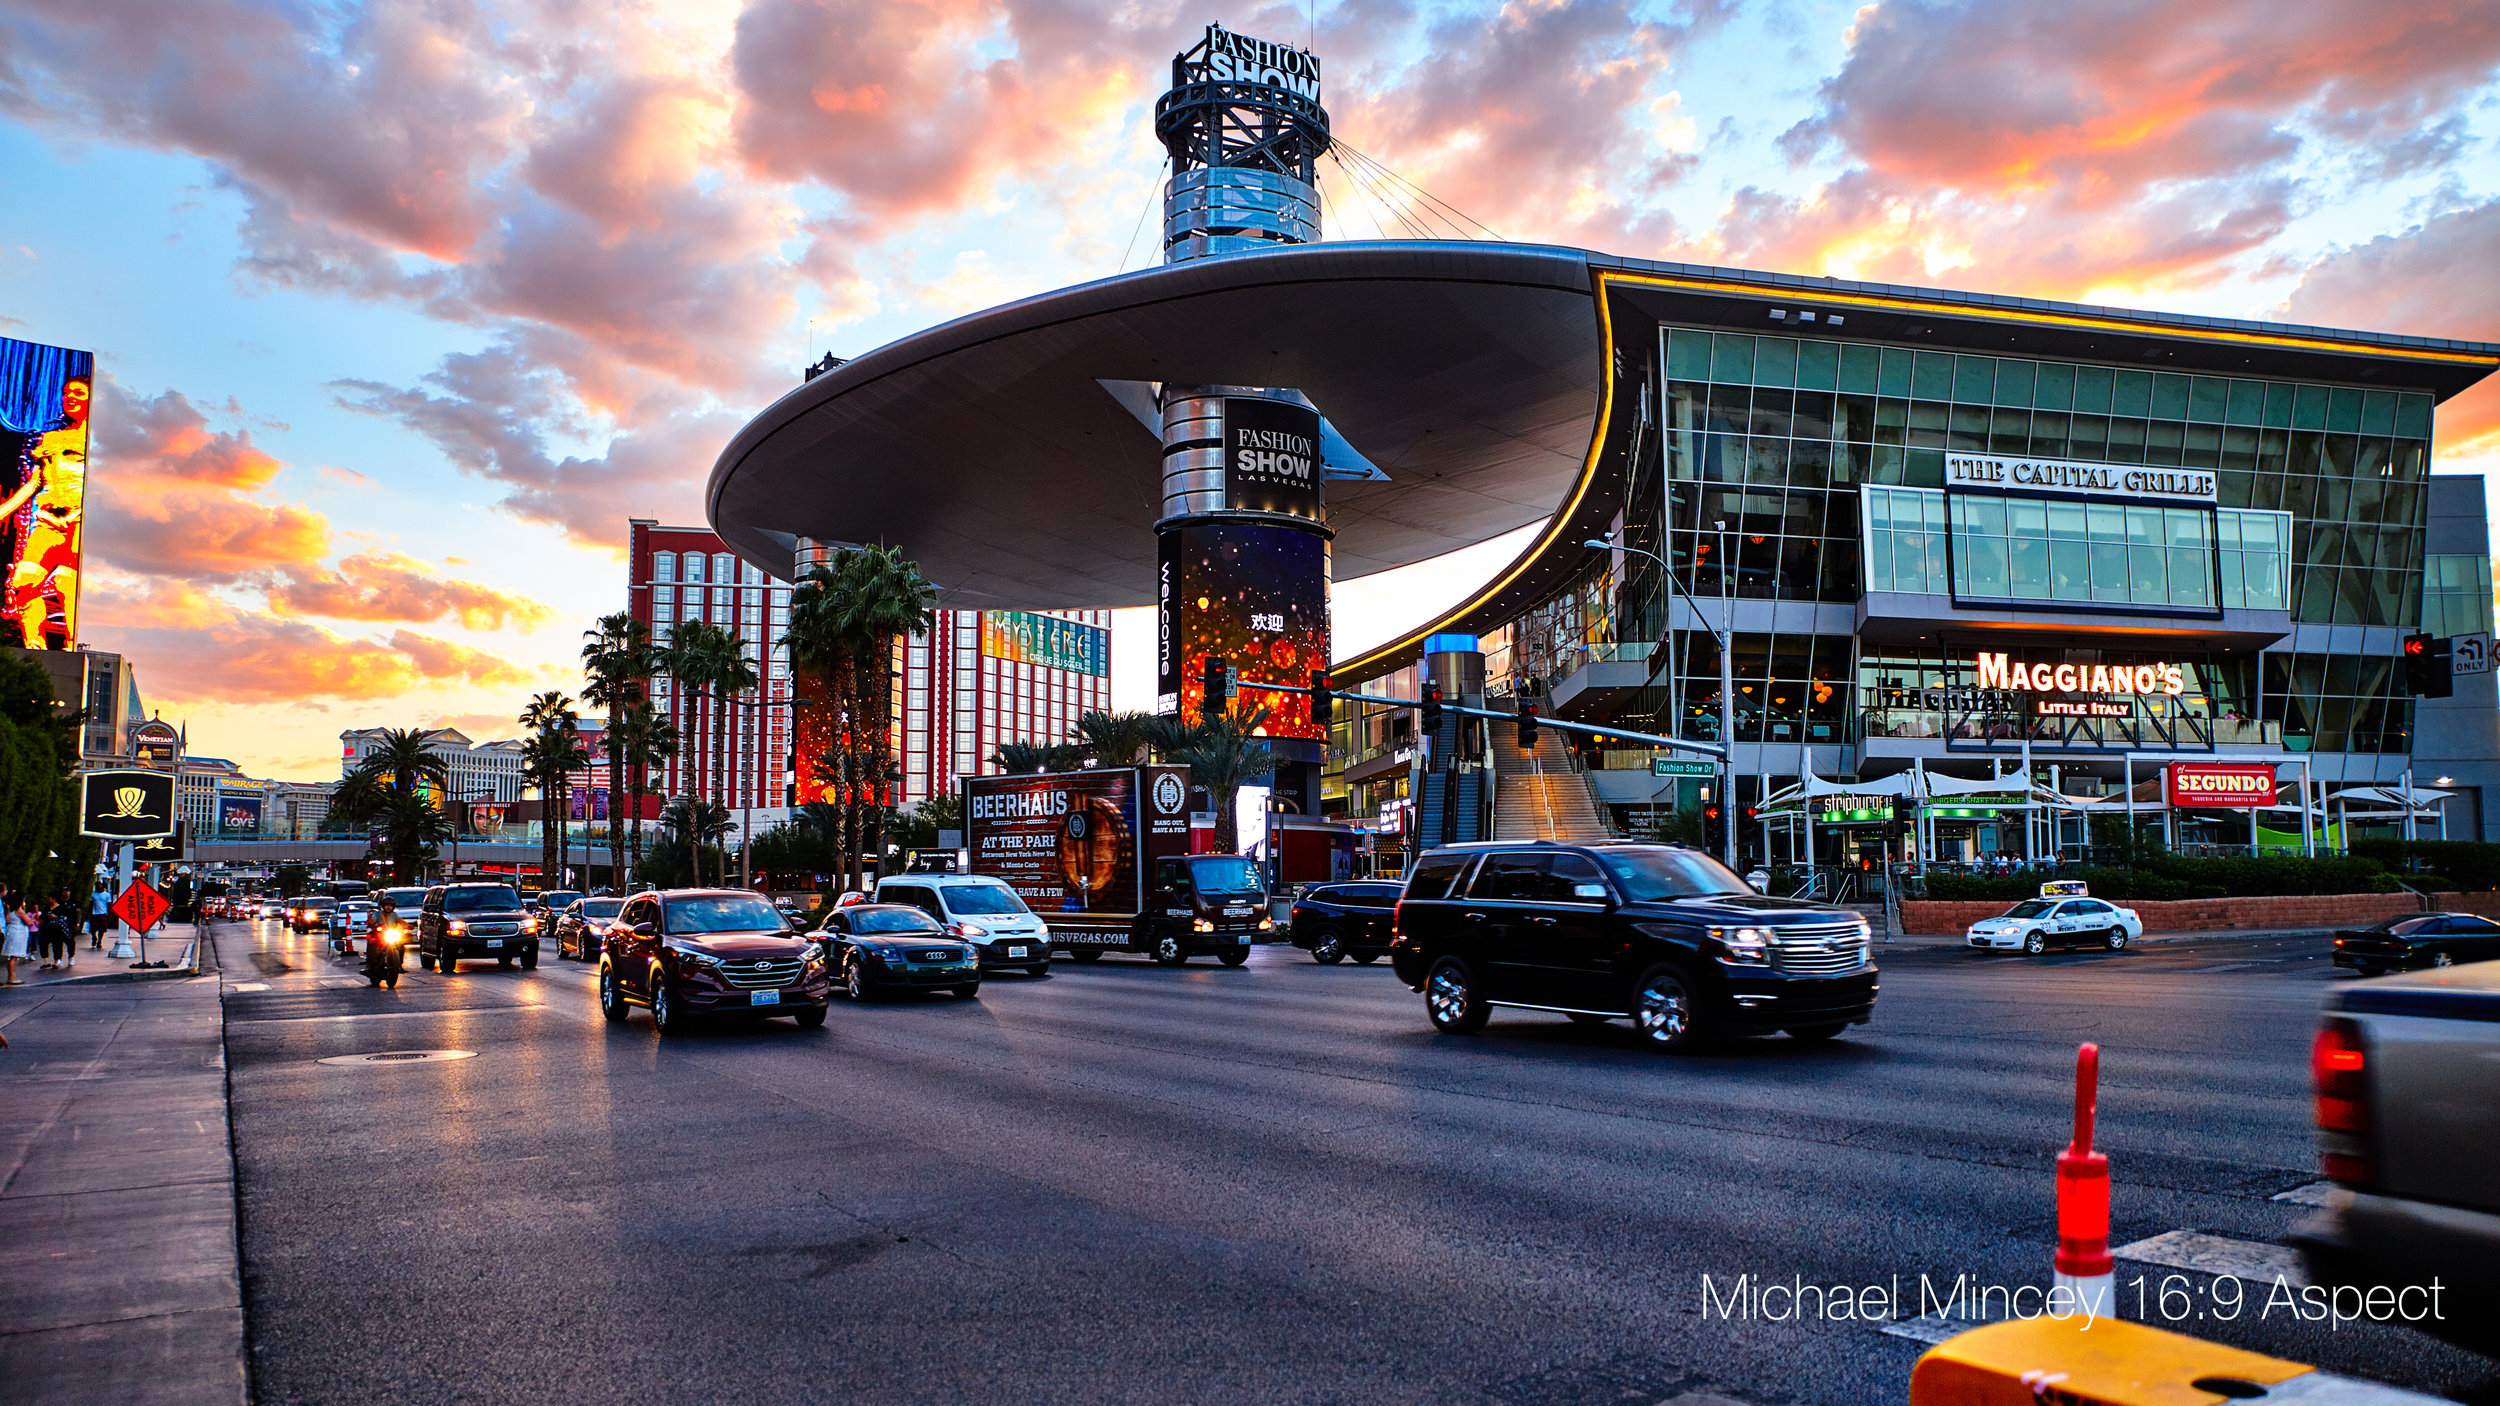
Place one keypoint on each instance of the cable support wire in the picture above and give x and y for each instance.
(1154, 193)
(1369, 184)
(1423, 200)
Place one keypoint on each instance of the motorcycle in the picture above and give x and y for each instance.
(386, 951)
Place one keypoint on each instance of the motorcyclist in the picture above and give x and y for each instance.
(386, 951)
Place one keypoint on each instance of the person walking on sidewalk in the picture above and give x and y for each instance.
(99, 917)
(60, 933)
(12, 930)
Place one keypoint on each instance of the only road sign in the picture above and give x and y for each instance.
(141, 906)
(1669, 766)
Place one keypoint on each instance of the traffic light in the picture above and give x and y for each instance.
(2430, 669)
(1218, 679)
(1432, 707)
(1323, 702)
(1904, 816)
(1527, 726)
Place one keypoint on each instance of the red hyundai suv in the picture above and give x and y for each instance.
(693, 952)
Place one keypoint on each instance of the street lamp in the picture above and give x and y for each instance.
(1727, 686)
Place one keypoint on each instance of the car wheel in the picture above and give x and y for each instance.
(426, 960)
(1235, 957)
(2116, 941)
(503, 964)
(1588, 1018)
(664, 1014)
(969, 990)
(812, 1018)
(2442, 959)
(393, 981)
(1170, 950)
(854, 981)
(1086, 956)
(529, 960)
(1328, 948)
(2035, 942)
(611, 1000)
(1665, 1011)
(1816, 1034)
(447, 964)
(1450, 999)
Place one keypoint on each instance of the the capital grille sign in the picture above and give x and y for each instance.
(2004, 474)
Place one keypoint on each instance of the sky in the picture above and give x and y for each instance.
(401, 309)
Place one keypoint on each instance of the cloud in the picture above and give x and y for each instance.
(176, 501)
(387, 586)
(195, 648)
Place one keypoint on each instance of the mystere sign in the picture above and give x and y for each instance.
(2000, 473)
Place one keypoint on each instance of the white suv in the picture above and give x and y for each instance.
(980, 910)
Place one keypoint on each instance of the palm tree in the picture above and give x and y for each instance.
(617, 656)
(1020, 758)
(1222, 756)
(845, 618)
(707, 661)
(697, 824)
(641, 737)
(1114, 739)
(377, 792)
(737, 675)
(548, 762)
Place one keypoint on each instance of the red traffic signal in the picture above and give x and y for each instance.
(1527, 726)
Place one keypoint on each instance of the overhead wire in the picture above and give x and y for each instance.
(1450, 214)
(1152, 191)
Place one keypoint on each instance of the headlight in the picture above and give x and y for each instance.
(392, 937)
(455, 926)
(971, 930)
(530, 923)
(700, 959)
(1743, 947)
(1266, 923)
(1202, 925)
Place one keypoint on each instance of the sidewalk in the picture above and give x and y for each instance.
(171, 943)
(119, 1277)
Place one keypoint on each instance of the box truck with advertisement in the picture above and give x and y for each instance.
(1103, 857)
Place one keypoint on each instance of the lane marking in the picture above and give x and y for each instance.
(2216, 1254)
(252, 986)
(2316, 1193)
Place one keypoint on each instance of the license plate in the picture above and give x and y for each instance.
(1245, 939)
(1015, 951)
(763, 998)
(494, 942)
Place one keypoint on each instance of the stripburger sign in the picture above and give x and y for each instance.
(2211, 784)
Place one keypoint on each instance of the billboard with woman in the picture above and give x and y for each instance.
(44, 392)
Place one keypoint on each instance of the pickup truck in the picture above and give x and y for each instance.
(2407, 1073)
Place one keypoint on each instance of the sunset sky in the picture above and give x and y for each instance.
(402, 309)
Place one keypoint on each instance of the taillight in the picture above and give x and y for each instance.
(2339, 1069)
(1397, 916)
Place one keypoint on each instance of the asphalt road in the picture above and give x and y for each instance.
(1126, 1183)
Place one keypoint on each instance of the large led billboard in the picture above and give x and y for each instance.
(1252, 593)
(1046, 640)
(814, 738)
(44, 393)
(238, 813)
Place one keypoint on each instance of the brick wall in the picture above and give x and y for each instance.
(2343, 910)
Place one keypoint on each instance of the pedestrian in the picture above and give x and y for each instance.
(12, 931)
(99, 917)
(60, 932)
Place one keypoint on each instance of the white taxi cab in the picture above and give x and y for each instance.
(2062, 916)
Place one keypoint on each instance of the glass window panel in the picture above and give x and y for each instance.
(2343, 411)
(2170, 396)
(2048, 434)
(2309, 408)
(1853, 418)
(1969, 432)
(1923, 468)
(2027, 568)
(1810, 465)
(2109, 570)
(2131, 393)
(2055, 388)
(1813, 416)
(1818, 366)
(2208, 398)
(1896, 376)
(2070, 572)
(1931, 511)
(1931, 378)
(1974, 379)
(2279, 399)
(2146, 573)
(2009, 432)
(1879, 541)
(1927, 424)
(2143, 525)
(1688, 355)
(2126, 442)
(2014, 382)
(2092, 390)
(2413, 416)
(2203, 449)
(1860, 369)
(2247, 404)
(2188, 527)
(1982, 514)
(1766, 460)
(664, 566)
(1771, 413)
(1775, 361)
(2162, 442)
(2087, 438)
(1986, 565)
(1731, 358)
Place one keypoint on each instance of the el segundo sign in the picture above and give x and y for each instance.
(2208, 784)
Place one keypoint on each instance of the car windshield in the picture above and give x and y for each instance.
(867, 920)
(983, 899)
(2029, 908)
(602, 907)
(561, 898)
(1647, 875)
(472, 900)
(1224, 874)
(403, 898)
(688, 917)
(319, 902)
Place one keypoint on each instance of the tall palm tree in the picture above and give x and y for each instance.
(706, 661)
(642, 737)
(737, 675)
(879, 598)
(395, 773)
(1114, 739)
(550, 756)
(1222, 756)
(617, 656)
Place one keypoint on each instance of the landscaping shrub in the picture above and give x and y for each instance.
(2161, 877)
(2469, 865)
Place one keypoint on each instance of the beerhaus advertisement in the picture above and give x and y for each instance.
(1077, 843)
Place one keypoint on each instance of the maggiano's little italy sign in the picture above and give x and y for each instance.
(1998, 473)
(1995, 671)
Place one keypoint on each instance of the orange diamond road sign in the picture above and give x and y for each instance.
(141, 906)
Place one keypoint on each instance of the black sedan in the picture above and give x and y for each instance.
(1335, 921)
(876, 948)
(583, 926)
(2411, 940)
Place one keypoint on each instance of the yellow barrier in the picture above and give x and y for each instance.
(2114, 1363)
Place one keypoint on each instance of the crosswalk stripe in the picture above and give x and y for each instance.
(2215, 1254)
(2316, 1193)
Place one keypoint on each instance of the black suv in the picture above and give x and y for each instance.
(1350, 919)
(1663, 934)
(472, 920)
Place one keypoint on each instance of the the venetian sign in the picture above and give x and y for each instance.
(2134, 481)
